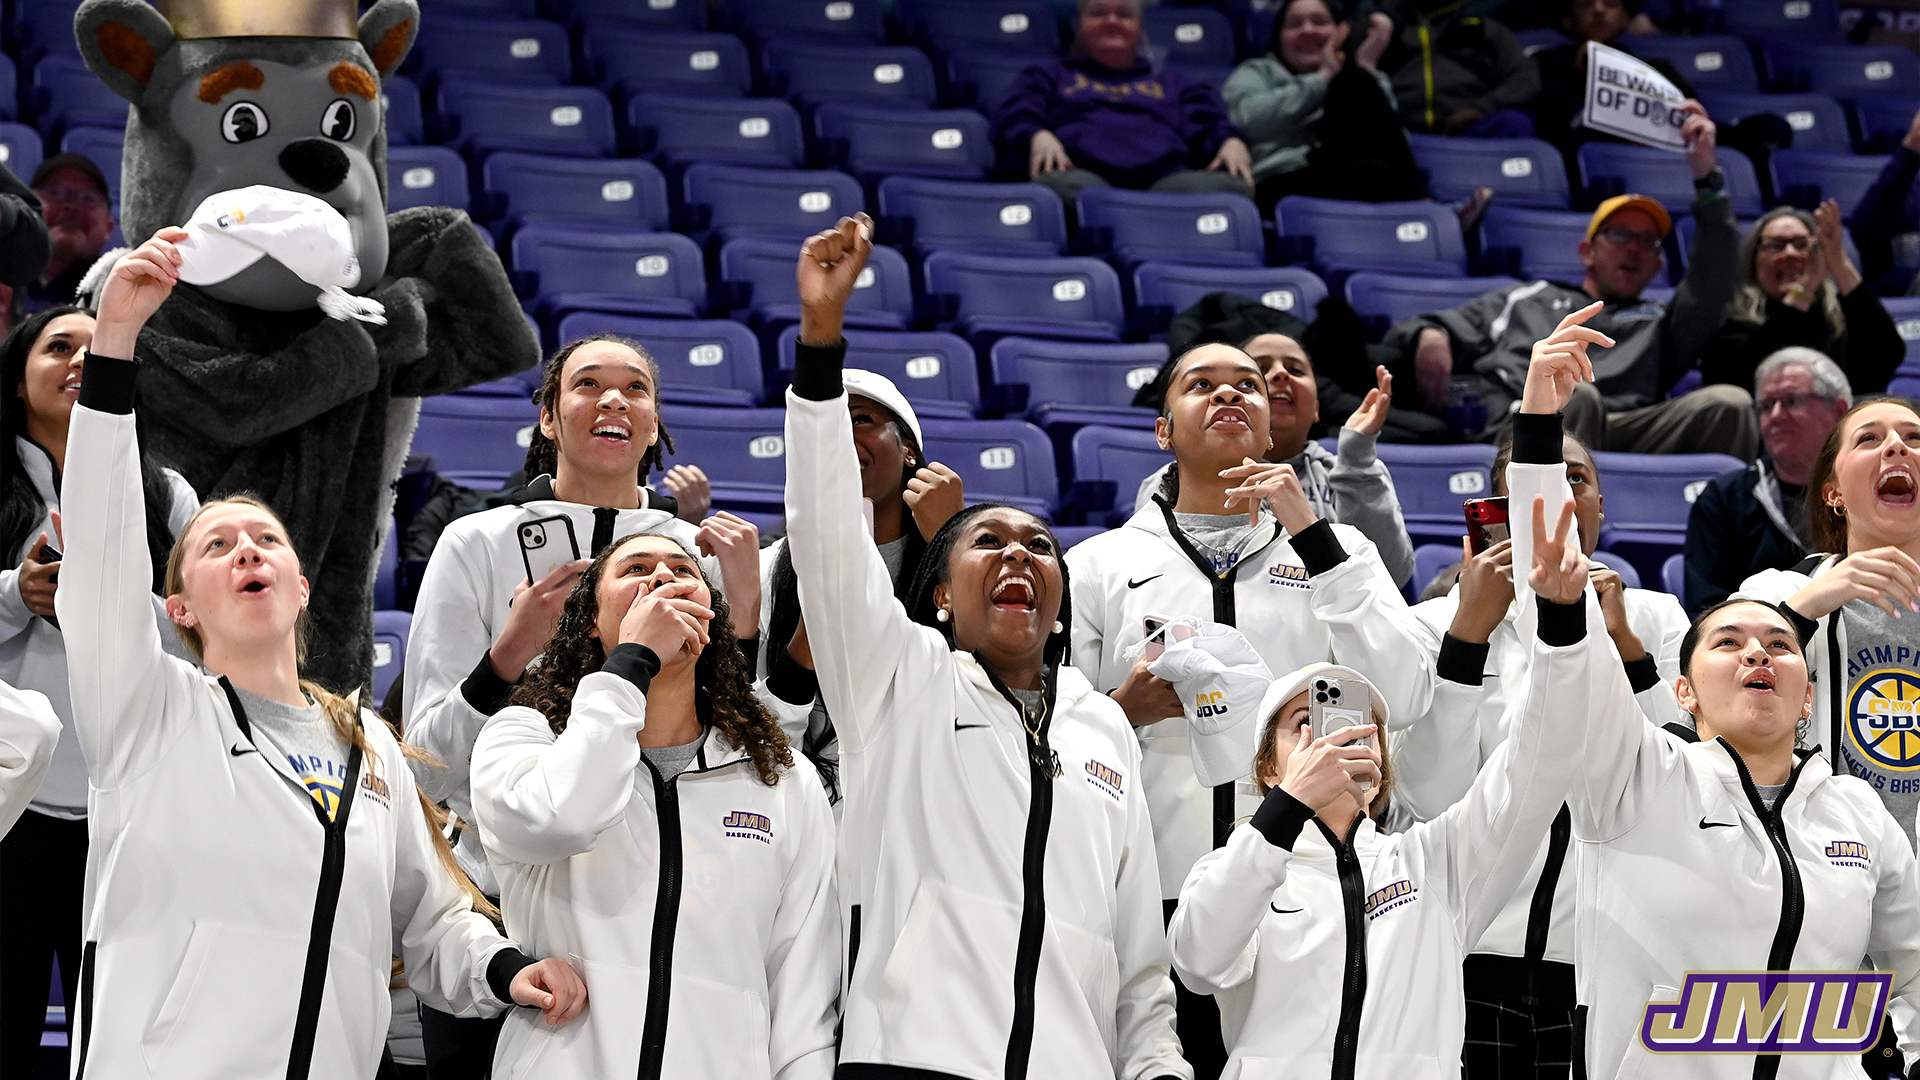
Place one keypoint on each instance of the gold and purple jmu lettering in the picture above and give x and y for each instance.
(1770, 1012)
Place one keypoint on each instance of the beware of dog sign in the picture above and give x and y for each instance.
(1627, 98)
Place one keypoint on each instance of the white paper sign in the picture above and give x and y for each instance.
(1627, 98)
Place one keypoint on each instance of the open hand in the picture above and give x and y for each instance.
(1559, 566)
(934, 495)
(1235, 159)
(553, 987)
(1371, 416)
(1342, 762)
(1379, 36)
(1560, 362)
(1046, 153)
(691, 489)
(135, 288)
(830, 263)
(1888, 578)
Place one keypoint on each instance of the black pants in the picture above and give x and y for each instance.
(1519, 1019)
(458, 1048)
(1197, 1020)
(1362, 152)
(43, 869)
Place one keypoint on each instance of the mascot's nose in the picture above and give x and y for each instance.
(314, 164)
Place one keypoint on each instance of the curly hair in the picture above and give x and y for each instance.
(933, 570)
(543, 457)
(723, 694)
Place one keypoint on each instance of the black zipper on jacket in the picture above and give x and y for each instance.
(1223, 612)
(1033, 870)
(1793, 902)
(1353, 984)
(86, 1005)
(326, 900)
(1835, 665)
(1540, 911)
(666, 921)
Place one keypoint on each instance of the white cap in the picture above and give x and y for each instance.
(877, 387)
(231, 230)
(1285, 687)
(1219, 677)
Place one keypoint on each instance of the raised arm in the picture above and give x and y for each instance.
(861, 638)
(452, 317)
(28, 731)
(1362, 487)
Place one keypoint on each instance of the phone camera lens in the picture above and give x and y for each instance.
(1334, 693)
(1321, 697)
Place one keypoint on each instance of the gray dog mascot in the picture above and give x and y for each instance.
(300, 387)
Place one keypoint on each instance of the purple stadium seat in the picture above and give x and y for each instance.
(811, 71)
(1005, 218)
(1004, 461)
(390, 630)
(1073, 298)
(762, 19)
(475, 441)
(1027, 26)
(1521, 172)
(503, 50)
(1432, 482)
(1190, 37)
(1648, 499)
(1385, 299)
(1428, 561)
(935, 371)
(702, 361)
(1905, 311)
(743, 451)
(400, 97)
(1804, 19)
(1069, 384)
(1662, 175)
(790, 204)
(1108, 466)
(1397, 237)
(1708, 61)
(1534, 244)
(1818, 121)
(882, 140)
(617, 192)
(1177, 287)
(1220, 229)
(20, 149)
(980, 76)
(425, 176)
(679, 128)
(1673, 576)
(66, 94)
(664, 15)
(882, 295)
(634, 57)
(1840, 70)
(575, 121)
(626, 272)
(1805, 177)
(104, 146)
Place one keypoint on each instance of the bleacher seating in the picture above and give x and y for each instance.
(1429, 560)
(882, 295)
(789, 203)
(1883, 121)
(503, 50)
(811, 71)
(1108, 466)
(702, 361)
(1385, 299)
(1521, 172)
(1189, 37)
(9, 89)
(1807, 19)
(880, 140)
(742, 451)
(1216, 229)
(425, 176)
(1076, 299)
(679, 128)
(1673, 576)
(66, 94)
(634, 57)
(1175, 287)
(1534, 244)
(1608, 169)
(936, 371)
(980, 77)
(390, 632)
(1905, 311)
(1842, 70)
(1707, 61)
(761, 19)
(1432, 482)
(1068, 384)
(532, 188)
(103, 147)
(406, 124)
(475, 440)
(1005, 461)
(1006, 218)
(1397, 237)
(1805, 177)
(1818, 121)
(1648, 499)
(646, 274)
(666, 15)
(1007, 25)
(20, 149)
(575, 121)
(44, 27)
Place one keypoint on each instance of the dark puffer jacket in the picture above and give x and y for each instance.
(1443, 61)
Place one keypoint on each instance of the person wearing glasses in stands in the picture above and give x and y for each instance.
(1798, 286)
(78, 207)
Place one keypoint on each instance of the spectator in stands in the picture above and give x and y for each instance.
(1889, 210)
(633, 757)
(1351, 486)
(1322, 123)
(951, 827)
(1102, 115)
(1486, 342)
(78, 206)
(1457, 72)
(1563, 69)
(43, 860)
(1755, 518)
(1797, 287)
(479, 623)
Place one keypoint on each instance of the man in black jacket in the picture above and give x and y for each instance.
(1755, 518)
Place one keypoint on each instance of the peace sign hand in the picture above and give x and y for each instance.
(1559, 566)
(1560, 362)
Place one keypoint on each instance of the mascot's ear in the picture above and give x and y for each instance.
(387, 31)
(120, 40)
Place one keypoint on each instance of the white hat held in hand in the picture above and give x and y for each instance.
(231, 230)
(1219, 677)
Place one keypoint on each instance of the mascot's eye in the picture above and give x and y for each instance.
(337, 122)
(244, 122)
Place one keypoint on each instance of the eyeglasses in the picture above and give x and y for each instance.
(1623, 236)
(81, 197)
(1777, 244)
(1790, 402)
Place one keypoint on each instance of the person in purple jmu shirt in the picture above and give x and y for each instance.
(1103, 116)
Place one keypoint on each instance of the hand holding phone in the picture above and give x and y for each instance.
(1333, 704)
(546, 544)
(1486, 521)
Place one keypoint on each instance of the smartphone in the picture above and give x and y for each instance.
(546, 544)
(1337, 703)
(1486, 521)
(1160, 630)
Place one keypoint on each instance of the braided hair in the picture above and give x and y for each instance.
(543, 457)
(722, 683)
(933, 571)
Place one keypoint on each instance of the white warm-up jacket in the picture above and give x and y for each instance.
(29, 730)
(700, 910)
(208, 857)
(938, 857)
(1344, 959)
(1351, 613)
(450, 687)
(1462, 711)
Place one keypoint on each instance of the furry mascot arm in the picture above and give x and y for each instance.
(452, 318)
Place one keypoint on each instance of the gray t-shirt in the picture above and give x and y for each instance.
(1222, 538)
(1879, 737)
(308, 741)
(674, 760)
(1770, 793)
(894, 554)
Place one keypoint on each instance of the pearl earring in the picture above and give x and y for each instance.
(941, 615)
(1057, 627)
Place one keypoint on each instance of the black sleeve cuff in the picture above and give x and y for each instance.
(106, 384)
(484, 689)
(792, 683)
(1562, 624)
(1642, 674)
(633, 662)
(505, 964)
(816, 370)
(1538, 440)
(1318, 548)
(1281, 817)
(1807, 627)
(1462, 662)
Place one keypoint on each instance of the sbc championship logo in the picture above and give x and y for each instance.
(1770, 1012)
(1881, 719)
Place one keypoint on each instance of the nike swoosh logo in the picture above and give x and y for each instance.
(1278, 910)
(1132, 584)
(237, 750)
(1705, 824)
(969, 727)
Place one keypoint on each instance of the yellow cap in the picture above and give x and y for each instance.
(1612, 206)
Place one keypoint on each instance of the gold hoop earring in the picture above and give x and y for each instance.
(1839, 509)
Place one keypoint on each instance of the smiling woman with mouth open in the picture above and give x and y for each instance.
(996, 862)
(1858, 604)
